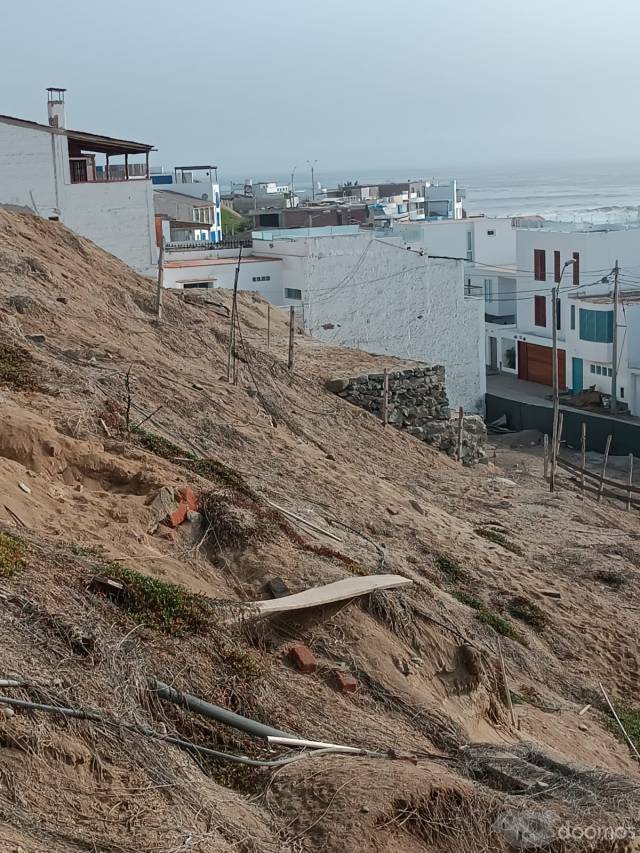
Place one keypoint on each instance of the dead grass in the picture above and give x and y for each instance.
(521, 607)
(17, 368)
(488, 616)
(499, 539)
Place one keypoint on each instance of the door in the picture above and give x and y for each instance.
(535, 364)
(577, 373)
(493, 353)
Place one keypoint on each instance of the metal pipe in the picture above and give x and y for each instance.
(91, 716)
(215, 712)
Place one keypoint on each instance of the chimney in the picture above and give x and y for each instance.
(55, 106)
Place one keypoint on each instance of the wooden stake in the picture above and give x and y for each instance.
(630, 481)
(617, 719)
(268, 326)
(583, 448)
(505, 683)
(604, 467)
(560, 426)
(459, 444)
(385, 397)
(292, 318)
(545, 442)
(232, 330)
(160, 283)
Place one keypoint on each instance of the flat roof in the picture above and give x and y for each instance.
(193, 199)
(208, 262)
(91, 141)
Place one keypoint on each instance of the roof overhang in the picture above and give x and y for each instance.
(107, 144)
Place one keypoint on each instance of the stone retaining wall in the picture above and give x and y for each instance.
(417, 404)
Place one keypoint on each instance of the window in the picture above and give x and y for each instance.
(622, 393)
(576, 268)
(539, 265)
(557, 269)
(573, 316)
(261, 278)
(488, 289)
(292, 293)
(491, 233)
(540, 310)
(558, 315)
(609, 371)
(195, 285)
(596, 326)
(469, 245)
(592, 368)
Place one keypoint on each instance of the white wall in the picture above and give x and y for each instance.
(27, 175)
(361, 292)
(223, 274)
(117, 215)
(450, 237)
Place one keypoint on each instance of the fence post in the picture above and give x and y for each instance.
(385, 397)
(545, 442)
(268, 326)
(630, 481)
(160, 282)
(583, 448)
(604, 468)
(459, 444)
(291, 332)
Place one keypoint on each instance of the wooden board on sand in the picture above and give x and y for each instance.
(330, 593)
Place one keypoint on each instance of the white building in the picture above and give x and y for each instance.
(56, 172)
(361, 289)
(197, 182)
(579, 260)
(189, 269)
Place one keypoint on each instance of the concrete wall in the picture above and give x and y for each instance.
(359, 291)
(450, 237)
(117, 215)
(27, 173)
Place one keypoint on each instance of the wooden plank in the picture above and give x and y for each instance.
(331, 593)
(572, 467)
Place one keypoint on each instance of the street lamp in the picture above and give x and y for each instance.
(312, 164)
(555, 438)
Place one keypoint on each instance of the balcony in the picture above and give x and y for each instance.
(84, 149)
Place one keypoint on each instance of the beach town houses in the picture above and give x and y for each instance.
(96, 185)
(579, 260)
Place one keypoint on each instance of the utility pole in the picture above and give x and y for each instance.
(312, 164)
(555, 438)
(293, 189)
(556, 388)
(614, 352)
(232, 330)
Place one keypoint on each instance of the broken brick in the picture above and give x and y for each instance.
(178, 515)
(303, 658)
(345, 681)
(187, 495)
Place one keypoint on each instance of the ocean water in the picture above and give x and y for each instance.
(597, 192)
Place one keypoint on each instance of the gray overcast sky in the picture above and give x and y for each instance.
(258, 87)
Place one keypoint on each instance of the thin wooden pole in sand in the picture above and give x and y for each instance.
(459, 443)
(604, 468)
(630, 481)
(545, 442)
(505, 683)
(583, 449)
(268, 326)
(160, 284)
(385, 397)
(292, 318)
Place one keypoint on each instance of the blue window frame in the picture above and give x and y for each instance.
(596, 326)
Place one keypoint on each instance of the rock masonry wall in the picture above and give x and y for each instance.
(417, 404)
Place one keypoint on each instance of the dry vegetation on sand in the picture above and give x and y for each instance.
(100, 408)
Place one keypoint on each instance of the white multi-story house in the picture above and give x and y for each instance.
(199, 183)
(88, 181)
(579, 260)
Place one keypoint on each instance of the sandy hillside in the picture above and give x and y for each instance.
(79, 346)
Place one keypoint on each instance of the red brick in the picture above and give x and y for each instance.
(187, 495)
(345, 681)
(302, 658)
(177, 516)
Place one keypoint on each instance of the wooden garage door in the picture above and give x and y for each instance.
(535, 364)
